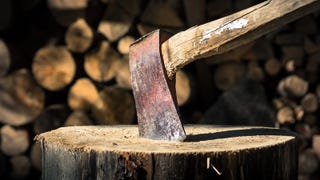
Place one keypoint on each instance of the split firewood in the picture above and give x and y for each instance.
(116, 106)
(101, 65)
(309, 102)
(115, 23)
(124, 44)
(123, 73)
(227, 74)
(316, 144)
(255, 71)
(277, 103)
(286, 115)
(14, 141)
(78, 118)
(82, 95)
(293, 86)
(35, 156)
(195, 11)
(79, 36)
(299, 113)
(4, 58)
(51, 118)
(183, 87)
(272, 66)
(21, 166)
(53, 67)
(66, 12)
(21, 99)
(308, 162)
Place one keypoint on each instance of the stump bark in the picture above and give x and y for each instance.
(210, 152)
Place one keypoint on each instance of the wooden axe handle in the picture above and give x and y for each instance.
(231, 31)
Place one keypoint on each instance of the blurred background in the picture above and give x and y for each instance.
(65, 63)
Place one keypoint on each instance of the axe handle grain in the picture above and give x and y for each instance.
(231, 31)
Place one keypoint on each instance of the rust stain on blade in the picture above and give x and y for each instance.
(154, 92)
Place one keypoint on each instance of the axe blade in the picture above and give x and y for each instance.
(154, 92)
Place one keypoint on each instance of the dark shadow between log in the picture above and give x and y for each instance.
(238, 133)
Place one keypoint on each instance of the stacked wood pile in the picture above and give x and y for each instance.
(65, 63)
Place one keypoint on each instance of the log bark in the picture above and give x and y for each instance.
(82, 95)
(21, 99)
(53, 67)
(101, 64)
(115, 106)
(210, 152)
(79, 36)
(5, 60)
(14, 141)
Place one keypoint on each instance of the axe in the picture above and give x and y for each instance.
(155, 58)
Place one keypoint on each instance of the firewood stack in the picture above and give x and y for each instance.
(65, 63)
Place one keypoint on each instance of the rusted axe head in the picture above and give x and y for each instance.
(154, 92)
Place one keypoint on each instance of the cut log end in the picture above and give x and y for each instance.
(260, 152)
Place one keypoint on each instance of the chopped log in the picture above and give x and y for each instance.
(227, 74)
(21, 167)
(101, 65)
(124, 44)
(53, 67)
(255, 71)
(79, 36)
(35, 156)
(116, 106)
(308, 162)
(309, 102)
(272, 66)
(123, 73)
(293, 86)
(316, 145)
(51, 118)
(14, 141)
(209, 153)
(161, 14)
(195, 11)
(5, 60)
(286, 115)
(277, 103)
(183, 87)
(21, 99)
(82, 95)
(299, 113)
(78, 118)
(66, 12)
(115, 23)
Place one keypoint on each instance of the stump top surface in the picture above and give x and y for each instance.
(201, 138)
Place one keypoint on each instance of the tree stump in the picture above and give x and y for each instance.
(210, 152)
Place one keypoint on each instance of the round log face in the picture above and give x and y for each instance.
(250, 152)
